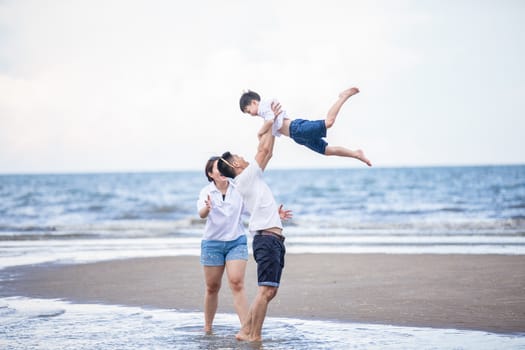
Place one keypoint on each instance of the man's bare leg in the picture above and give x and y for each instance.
(244, 333)
(252, 329)
(334, 110)
(345, 152)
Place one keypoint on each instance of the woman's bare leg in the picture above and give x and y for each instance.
(212, 278)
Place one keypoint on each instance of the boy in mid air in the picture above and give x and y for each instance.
(309, 133)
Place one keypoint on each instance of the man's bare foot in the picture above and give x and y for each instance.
(361, 156)
(242, 336)
(349, 92)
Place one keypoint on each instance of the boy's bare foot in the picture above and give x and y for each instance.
(349, 92)
(361, 156)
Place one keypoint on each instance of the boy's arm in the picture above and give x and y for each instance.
(268, 115)
(266, 141)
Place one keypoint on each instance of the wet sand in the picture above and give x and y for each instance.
(478, 292)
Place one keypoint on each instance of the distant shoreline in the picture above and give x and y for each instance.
(167, 171)
(475, 292)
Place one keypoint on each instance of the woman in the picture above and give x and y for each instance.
(224, 243)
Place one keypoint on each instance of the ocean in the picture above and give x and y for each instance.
(77, 218)
(91, 217)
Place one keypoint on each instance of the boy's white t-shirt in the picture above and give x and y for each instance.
(265, 111)
(258, 198)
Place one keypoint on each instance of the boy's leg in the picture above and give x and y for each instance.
(334, 110)
(345, 152)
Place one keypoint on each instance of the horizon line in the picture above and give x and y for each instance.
(145, 171)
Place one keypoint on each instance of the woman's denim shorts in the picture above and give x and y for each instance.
(216, 253)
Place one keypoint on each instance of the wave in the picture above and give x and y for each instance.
(46, 236)
(313, 225)
(29, 228)
(452, 209)
(106, 229)
(31, 308)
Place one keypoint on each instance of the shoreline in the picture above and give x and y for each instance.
(474, 292)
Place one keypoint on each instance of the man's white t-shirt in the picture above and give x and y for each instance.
(224, 222)
(258, 198)
(265, 111)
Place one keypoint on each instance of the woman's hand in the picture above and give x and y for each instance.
(208, 203)
(204, 211)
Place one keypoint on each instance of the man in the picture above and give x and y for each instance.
(265, 223)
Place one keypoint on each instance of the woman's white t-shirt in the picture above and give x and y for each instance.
(224, 222)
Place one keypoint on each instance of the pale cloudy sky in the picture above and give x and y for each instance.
(154, 85)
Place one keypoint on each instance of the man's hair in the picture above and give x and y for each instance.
(247, 98)
(224, 168)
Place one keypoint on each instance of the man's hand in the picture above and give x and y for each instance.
(285, 214)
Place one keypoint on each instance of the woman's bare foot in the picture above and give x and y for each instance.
(359, 154)
(349, 92)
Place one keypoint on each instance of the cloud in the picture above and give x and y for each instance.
(139, 85)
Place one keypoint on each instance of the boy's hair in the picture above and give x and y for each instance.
(224, 168)
(247, 98)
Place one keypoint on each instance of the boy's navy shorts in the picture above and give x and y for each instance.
(268, 252)
(309, 133)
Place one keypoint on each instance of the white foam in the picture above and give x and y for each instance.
(94, 326)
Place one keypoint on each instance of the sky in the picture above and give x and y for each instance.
(103, 86)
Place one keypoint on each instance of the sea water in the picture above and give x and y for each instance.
(75, 218)
(91, 217)
(53, 324)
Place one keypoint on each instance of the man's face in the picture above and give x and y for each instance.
(239, 161)
(252, 108)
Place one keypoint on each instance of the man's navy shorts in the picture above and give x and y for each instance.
(268, 252)
(309, 133)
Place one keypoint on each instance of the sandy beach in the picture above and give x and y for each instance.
(477, 292)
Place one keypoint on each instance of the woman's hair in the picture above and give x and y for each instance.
(247, 98)
(224, 165)
(209, 167)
